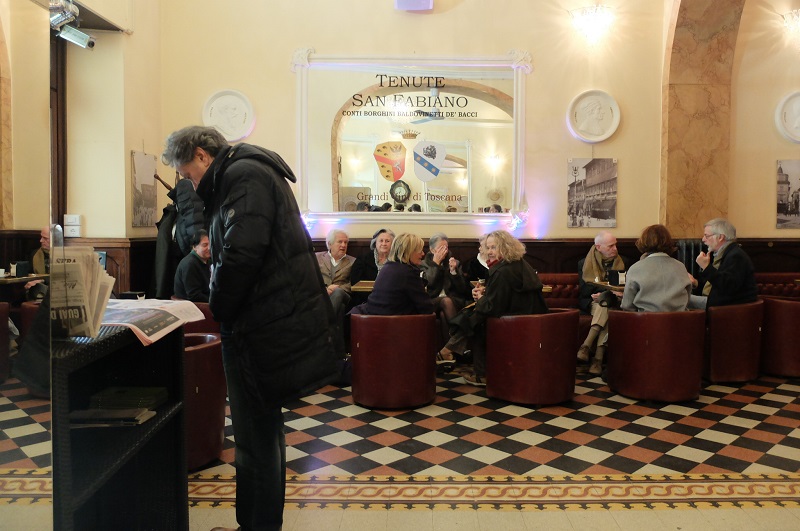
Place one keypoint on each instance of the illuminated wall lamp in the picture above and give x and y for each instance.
(592, 21)
(792, 22)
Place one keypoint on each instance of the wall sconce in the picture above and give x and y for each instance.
(792, 22)
(593, 21)
(494, 162)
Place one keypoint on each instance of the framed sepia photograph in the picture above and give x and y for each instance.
(591, 192)
(787, 207)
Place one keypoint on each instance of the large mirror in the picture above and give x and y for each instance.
(440, 136)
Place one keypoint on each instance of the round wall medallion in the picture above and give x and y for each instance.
(231, 113)
(787, 117)
(593, 116)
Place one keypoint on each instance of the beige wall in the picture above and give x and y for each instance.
(26, 28)
(766, 68)
(248, 46)
(114, 107)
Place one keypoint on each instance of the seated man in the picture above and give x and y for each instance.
(602, 258)
(335, 265)
(40, 261)
(727, 277)
(193, 276)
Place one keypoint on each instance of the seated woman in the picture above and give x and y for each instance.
(367, 266)
(657, 282)
(399, 289)
(447, 285)
(512, 288)
(476, 268)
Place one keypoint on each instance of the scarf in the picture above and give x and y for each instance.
(594, 268)
(717, 259)
(491, 263)
(377, 263)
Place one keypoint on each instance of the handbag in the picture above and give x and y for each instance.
(607, 299)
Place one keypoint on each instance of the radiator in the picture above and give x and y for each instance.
(687, 252)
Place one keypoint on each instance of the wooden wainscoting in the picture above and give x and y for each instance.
(129, 260)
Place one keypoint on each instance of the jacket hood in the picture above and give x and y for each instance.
(231, 154)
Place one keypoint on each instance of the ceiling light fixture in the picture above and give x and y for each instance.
(792, 21)
(593, 21)
(62, 12)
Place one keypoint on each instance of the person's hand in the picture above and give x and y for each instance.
(453, 263)
(692, 280)
(439, 254)
(703, 259)
(595, 297)
(332, 288)
(478, 291)
(32, 283)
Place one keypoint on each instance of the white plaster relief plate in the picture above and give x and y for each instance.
(787, 117)
(593, 116)
(231, 113)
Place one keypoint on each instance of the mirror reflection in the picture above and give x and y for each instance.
(401, 139)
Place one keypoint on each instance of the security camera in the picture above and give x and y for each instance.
(76, 36)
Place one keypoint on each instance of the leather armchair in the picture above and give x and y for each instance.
(656, 355)
(733, 342)
(780, 345)
(205, 393)
(530, 359)
(394, 359)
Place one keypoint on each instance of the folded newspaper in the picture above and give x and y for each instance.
(151, 319)
(79, 301)
(79, 291)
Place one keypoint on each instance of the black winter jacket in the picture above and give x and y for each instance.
(266, 284)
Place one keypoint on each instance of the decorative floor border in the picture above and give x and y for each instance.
(497, 493)
(520, 493)
(26, 486)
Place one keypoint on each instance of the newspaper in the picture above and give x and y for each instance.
(151, 319)
(79, 291)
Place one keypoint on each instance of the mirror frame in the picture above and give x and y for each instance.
(516, 61)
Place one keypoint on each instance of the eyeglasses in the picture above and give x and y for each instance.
(707, 236)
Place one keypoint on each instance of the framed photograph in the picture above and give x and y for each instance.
(593, 116)
(787, 210)
(787, 117)
(144, 189)
(591, 192)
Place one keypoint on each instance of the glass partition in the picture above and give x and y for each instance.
(441, 136)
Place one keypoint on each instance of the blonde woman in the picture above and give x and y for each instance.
(399, 289)
(512, 288)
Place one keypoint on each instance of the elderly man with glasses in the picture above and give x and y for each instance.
(726, 275)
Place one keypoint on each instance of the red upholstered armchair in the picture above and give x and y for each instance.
(656, 355)
(733, 342)
(394, 359)
(780, 345)
(530, 359)
(205, 392)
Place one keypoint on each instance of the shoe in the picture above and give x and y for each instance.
(474, 379)
(442, 360)
(583, 353)
(596, 367)
(226, 529)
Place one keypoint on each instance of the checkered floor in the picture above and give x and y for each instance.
(739, 442)
(751, 428)
(24, 428)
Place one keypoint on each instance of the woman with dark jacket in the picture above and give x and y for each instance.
(399, 289)
(512, 288)
(367, 266)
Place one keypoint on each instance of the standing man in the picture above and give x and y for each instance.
(727, 277)
(193, 274)
(267, 293)
(602, 258)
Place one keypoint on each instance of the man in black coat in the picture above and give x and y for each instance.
(193, 274)
(267, 292)
(727, 275)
